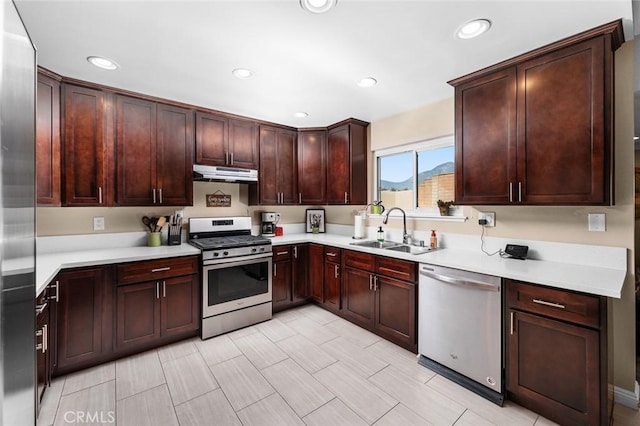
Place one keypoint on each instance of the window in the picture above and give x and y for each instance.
(414, 177)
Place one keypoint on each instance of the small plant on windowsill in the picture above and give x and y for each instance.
(444, 207)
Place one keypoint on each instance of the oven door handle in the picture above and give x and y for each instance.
(224, 261)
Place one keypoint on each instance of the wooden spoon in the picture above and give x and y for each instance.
(161, 221)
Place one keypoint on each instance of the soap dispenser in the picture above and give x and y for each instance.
(380, 234)
(434, 240)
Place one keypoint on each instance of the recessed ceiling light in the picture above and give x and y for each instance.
(317, 6)
(242, 73)
(473, 28)
(367, 82)
(300, 114)
(101, 62)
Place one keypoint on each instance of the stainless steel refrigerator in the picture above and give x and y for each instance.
(17, 219)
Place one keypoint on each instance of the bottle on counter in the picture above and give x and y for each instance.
(380, 234)
(434, 240)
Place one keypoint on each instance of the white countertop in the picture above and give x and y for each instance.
(598, 280)
(598, 270)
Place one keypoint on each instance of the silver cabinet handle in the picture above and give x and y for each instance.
(226, 158)
(154, 195)
(45, 338)
(346, 198)
(166, 268)
(57, 296)
(370, 282)
(332, 254)
(160, 192)
(231, 158)
(511, 315)
(40, 308)
(519, 192)
(164, 289)
(511, 192)
(157, 290)
(99, 195)
(282, 252)
(460, 282)
(545, 303)
(335, 270)
(299, 197)
(375, 283)
(275, 269)
(295, 252)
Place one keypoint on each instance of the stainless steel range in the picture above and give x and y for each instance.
(236, 273)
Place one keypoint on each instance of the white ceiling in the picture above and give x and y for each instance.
(185, 50)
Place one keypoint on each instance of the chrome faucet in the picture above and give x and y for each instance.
(405, 236)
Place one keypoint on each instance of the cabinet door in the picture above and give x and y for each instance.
(268, 181)
(358, 301)
(281, 284)
(136, 152)
(84, 318)
(243, 144)
(316, 272)
(137, 314)
(300, 272)
(42, 352)
(562, 155)
(485, 145)
(180, 309)
(312, 167)
(85, 147)
(212, 136)
(174, 156)
(287, 167)
(338, 161)
(48, 141)
(332, 274)
(553, 368)
(396, 310)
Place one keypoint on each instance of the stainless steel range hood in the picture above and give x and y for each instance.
(223, 174)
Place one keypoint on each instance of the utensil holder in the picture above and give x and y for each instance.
(175, 235)
(154, 239)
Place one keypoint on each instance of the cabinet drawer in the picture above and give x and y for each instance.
(156, 269)
(332, 254)
(395, 268)
(281, 253)
(358, 260)
(578, 308)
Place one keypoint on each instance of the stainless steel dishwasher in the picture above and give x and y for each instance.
(460, 328)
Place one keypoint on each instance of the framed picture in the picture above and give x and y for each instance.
(315, 220)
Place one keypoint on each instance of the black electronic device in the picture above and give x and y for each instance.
(516, 252)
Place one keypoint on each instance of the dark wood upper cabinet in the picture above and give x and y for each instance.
(347, 163)
(221, 141)
(153, 153)
(86, 170)
(48, 141)
(312, 166)
(277, 183)
(538, 128)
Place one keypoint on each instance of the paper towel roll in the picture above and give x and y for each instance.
(357, 226)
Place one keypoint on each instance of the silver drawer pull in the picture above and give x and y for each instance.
(40, 308)
(282, 252)
(161, 269)
(332, 254)
(544, 302)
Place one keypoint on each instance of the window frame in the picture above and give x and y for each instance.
(430, 213)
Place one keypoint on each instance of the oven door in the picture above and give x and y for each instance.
(231, 284)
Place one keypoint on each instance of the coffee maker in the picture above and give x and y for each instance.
(269, 221)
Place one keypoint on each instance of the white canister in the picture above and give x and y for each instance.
(358, 225)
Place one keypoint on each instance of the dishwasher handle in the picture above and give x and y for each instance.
(460, 282)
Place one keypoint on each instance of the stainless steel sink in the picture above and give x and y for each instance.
(405, 248)
(375, 244)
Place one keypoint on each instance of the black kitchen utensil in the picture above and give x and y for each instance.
(148, 222)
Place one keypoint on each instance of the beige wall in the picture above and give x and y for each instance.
(562, 224)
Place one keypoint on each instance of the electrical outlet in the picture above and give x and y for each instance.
(597, 222)
(489, 217)
(98, 223)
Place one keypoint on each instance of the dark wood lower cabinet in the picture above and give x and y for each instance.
(316, 272)
(43, 351)
(281, 284)
(358, 302)
(84, 318)
(151, 311)
(556, 364)
(300, 273)
(396, 310)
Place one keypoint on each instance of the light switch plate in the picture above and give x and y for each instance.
(597, 222)
(98, 223)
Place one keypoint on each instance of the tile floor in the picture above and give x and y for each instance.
(304, 367)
